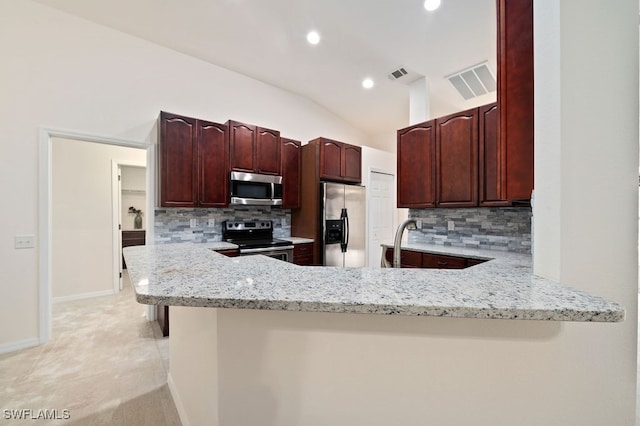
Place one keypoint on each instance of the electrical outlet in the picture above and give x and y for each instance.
(25, 241)
(211, 222)
(284, 222)
(451, 225)
(193, 223)
(419, 224)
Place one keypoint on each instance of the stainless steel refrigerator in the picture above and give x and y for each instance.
(343, 220)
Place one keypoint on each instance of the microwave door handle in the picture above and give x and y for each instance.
(273, 190)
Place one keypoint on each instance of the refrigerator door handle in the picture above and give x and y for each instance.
(345, 230)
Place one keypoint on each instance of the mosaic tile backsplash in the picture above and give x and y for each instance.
(493, 228)
(172, 225)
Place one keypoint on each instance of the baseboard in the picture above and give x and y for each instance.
(16, 346)
(82, 296)
(177, 401)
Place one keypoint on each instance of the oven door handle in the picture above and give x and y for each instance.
(267, 249)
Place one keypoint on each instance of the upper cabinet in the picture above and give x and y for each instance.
(441, 163)
(484, 156)
(291, 173)
(416, 171)
(253, 148)
(492, 164)
(515, 94)
(339, 161)
(192, 162)
(457, 160)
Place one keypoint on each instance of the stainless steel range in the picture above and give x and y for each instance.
(256, 237)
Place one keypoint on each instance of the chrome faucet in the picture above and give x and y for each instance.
(409, 224)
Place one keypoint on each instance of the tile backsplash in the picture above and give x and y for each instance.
(491, 228)
(173, 225)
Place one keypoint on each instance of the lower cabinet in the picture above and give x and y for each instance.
(162, 312)
(303, 254)
(132, 238)
(417, 259)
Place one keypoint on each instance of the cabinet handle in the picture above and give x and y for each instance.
(441, 263)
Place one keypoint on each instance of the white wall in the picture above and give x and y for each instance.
(66, 73)
(586, 197)
(82, 216)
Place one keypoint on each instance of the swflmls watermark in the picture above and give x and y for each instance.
(39, 414)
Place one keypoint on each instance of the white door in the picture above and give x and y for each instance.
(382, 212)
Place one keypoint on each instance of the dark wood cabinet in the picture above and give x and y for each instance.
(212, 154)
(416, 172)
(303, 254)
(178, 146)
(416, 259)
(253, 149)
(268, 151)
(492, 158)
(339, 161)
(457, 159)
(438, 261)
(351, 163)
(132, 238)
(515, 94)
(291, 171)
(229, 252)
(192, 162)
(408, 258)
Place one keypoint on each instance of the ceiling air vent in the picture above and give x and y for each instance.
(403, 75)
(400, 72)
(475, 81)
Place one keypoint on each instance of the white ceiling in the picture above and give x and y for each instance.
(265, 39)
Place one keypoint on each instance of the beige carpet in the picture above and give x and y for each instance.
(106, 364)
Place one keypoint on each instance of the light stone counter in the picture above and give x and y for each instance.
(298, 240)
(502, 288)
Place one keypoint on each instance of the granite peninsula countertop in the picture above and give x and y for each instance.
(502, 288)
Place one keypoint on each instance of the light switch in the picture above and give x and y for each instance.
(451, 225)
(211, 222)
(419, 224)
(25, 241)
(193, 223)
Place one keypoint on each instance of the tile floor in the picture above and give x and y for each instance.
(106, 364)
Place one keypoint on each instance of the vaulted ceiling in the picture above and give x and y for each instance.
(266, 40)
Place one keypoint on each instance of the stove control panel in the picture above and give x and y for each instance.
(236, 225)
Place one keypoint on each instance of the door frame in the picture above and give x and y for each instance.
(116, 205)
(45, 165)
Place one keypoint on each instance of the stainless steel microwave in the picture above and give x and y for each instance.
(255, 189)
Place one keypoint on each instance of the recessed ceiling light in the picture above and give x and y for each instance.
(431, 5)
(313, 37)
(367, 83)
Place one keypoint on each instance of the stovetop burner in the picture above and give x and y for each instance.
(251, 234)
(243, 243)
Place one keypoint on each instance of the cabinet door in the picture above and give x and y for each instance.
(242, 146)
(492, 157)
(416, 166)
(351, 163)
(515, 93)
(291, 169)
(268, 151)
(437, 261)
(408, 258)
(212, 154)
(178, 161)
(457, 159)
(330, 160)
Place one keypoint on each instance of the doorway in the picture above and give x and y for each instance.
(382, 214)
(76, 216)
